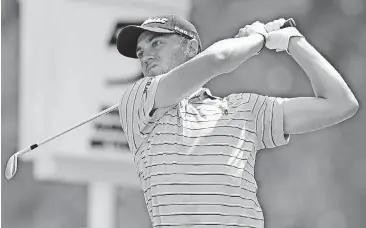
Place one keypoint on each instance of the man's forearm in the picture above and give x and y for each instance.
(326, 81)
(241, 49)
(235, 51)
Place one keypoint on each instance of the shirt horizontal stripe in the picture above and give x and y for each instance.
(202, 196)
(186, 187)
(236, 206)
(208, 225)
(207, 199)
(199, 176)
(216, 127)
(209, 220)
(206, 213)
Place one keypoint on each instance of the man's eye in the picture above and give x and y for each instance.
(139, 54)
(156, 43)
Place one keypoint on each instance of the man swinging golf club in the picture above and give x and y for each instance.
(195, 152)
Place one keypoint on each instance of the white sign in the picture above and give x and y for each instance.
(71, 69)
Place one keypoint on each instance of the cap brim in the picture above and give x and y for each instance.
(127, 38)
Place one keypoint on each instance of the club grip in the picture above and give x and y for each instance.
(289, 23)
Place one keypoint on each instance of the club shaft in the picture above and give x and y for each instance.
(106, 111)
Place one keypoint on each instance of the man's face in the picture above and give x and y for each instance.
(160, 53)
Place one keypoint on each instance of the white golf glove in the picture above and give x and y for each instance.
(279, 39)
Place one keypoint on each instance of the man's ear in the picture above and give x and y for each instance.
(192, 48)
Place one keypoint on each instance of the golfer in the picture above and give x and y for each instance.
(195, 152)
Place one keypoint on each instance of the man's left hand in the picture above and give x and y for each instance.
(274, 25)
(279, 39)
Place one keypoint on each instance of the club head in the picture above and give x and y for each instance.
(11, 167)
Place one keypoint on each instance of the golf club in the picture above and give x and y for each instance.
(11, 167)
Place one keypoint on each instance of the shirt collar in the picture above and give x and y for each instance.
(201, 92)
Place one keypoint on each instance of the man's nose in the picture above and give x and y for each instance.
(148, 56)
(147, 59)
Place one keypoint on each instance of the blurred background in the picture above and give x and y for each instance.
(60, 65)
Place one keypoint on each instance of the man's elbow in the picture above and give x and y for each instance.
(222, 57)
(224, 62)
(219, 62)
(354, 107)
(350, 108)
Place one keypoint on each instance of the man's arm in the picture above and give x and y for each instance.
(334, 101)
(221, 57)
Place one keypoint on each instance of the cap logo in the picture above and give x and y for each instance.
(161, 20)
(184, 32)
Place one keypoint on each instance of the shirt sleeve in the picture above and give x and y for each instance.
(135, 108)
(268, 121)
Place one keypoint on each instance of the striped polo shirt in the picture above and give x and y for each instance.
(195, 159)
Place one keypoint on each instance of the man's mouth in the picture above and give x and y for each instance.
(151, 66)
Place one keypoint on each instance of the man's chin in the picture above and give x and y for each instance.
(151, 74)
(154, 72)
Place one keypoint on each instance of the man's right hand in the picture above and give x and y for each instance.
(255, 28)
